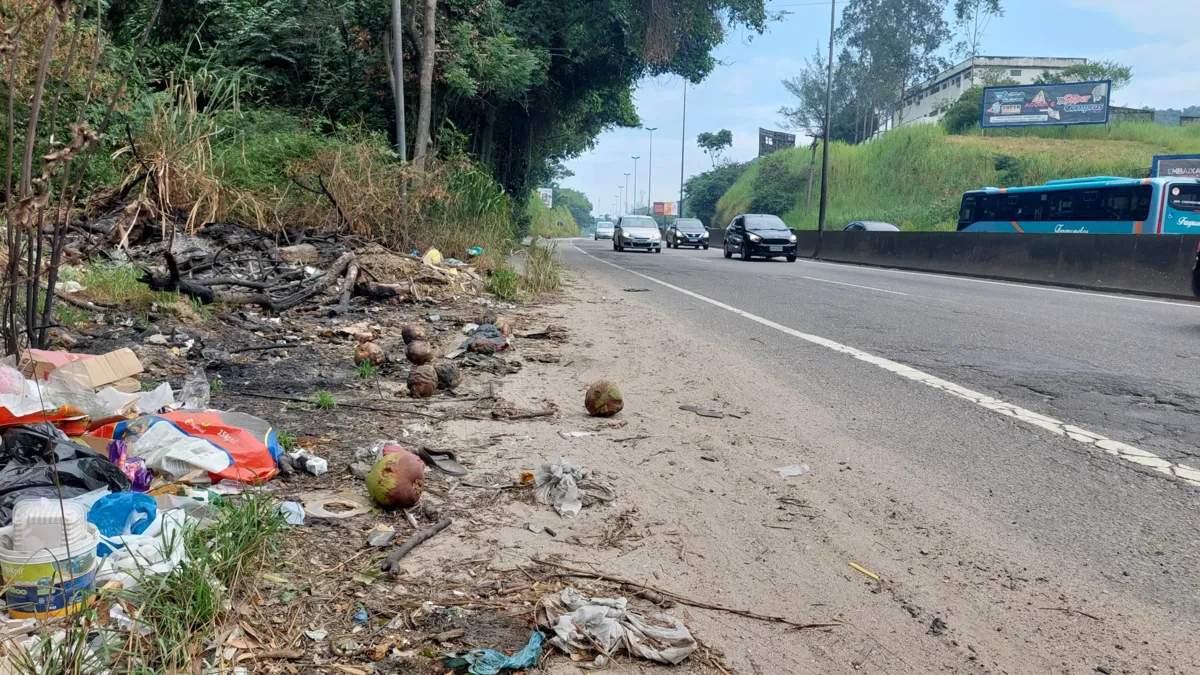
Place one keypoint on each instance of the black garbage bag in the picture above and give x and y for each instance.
(41, 461)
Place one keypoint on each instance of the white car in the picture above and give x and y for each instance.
(637, 232)
(604, 230)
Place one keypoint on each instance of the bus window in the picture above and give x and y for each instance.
(1184, 197)
(966, 214)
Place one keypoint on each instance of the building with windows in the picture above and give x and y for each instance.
(926, 102)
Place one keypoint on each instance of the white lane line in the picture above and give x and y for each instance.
(1033, 287)
(842, 283)
(1118, 449)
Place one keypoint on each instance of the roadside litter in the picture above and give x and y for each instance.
(603, 399)
(557, 485)
(491, 662)
(600, 628)
(703, 412)
(793, 470)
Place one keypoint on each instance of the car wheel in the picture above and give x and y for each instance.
(745, 252)
(725, 250)
(791, 258)
(658, 250)
(706, 247)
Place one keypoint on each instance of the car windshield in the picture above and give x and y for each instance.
(604, 226)
(639, 222)
(689, 226)
(765, 223)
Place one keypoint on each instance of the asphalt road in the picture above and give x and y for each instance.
(1121, 367)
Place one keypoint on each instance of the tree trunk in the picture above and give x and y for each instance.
(489, 131)
(425, 108)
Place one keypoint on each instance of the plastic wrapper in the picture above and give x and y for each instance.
(583, 626)
(134, 468)
(196, 391)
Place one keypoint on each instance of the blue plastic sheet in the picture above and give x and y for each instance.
(491, 662)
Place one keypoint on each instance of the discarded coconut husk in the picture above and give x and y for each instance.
(422, 381)
(397, 480)
(448, 375)
(419, 352)
(504, 324)
(412, 332)
(603, 399)
(369, 352)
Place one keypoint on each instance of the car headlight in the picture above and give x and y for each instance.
(793, 238)
(755, 238)
(656, 236)
(704, 235)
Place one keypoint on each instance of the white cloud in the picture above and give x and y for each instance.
(1177, 90)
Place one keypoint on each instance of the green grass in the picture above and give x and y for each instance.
(216, 385)
(324, 400)
(182, 610)
(365, 370)
(119, 285)
(544, 222)
(68, 315)
(914, 176)
(543, 272)
(505, 283)
(286, 439)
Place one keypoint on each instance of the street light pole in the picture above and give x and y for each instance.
(635, 185)
(825, 150)
(682, 150)
(398, 69)
(626, 194)
(650, 174)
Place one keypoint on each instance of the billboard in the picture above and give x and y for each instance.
(547, 196)
(1176, 166)
(770, 141)
(1045, 105)
(664, 208)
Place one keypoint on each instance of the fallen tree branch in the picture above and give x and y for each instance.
(347, 289)
(681, 599)
(207, 296)
(77, 302)
(272, 397)
(392, 564)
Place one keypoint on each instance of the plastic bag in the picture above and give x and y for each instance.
(196, 391)
(158, 550)
(122, 514)
(557, 484)
(30, 450)
(229, 445)
(134, 468)
(583, 625)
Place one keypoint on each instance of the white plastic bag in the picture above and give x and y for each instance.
(158, 550)
(196, 391)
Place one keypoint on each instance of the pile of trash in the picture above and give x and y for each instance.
(98, 477)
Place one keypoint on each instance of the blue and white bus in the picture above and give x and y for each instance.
(1099, 205)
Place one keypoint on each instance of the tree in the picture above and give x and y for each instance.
(428, 49)
(1120, 74)
(776, 187)
(963, 114)
(972, 18)
(577, 203)
(715, 143)
(897, 42)
(855, 117)
(704, 190)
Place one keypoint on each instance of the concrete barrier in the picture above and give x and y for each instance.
(1150, 264)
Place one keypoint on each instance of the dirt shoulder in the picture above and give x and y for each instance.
(696, 508)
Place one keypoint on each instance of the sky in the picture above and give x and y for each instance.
(1158, 38)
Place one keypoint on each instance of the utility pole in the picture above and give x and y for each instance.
(635, 185)
(398, 69)
(650, 174)
(682, 150)
(825, 150)
(626, 194)
(621, 199)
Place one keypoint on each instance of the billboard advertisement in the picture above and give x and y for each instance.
(1176, 166)
(664, 208)
(1045, 105)
(547, 196)
(770, 141)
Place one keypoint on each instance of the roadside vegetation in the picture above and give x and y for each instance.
(552, 223)
(914, 176)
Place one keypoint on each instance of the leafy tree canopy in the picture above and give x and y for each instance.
(714, 144)
(702, 191)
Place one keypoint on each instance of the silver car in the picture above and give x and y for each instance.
(637, 232)
(871, 226)
(604, 230)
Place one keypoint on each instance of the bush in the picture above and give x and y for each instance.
(776, 188)
(702, 191)
(963, 115)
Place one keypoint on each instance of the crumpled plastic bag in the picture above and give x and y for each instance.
(491, 662)
(486, 339)
(557, 485)
(158, 550)
(196, 391)
(583, 625)
(29, 451)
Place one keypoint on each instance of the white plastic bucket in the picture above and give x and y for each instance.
(47, 581)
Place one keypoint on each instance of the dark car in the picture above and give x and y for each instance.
(871, 226)
(764, 236)
(687, 232)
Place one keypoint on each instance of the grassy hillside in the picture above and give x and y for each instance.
(544, 222)
(914, 177)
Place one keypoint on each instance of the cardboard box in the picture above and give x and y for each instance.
(117, 369)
